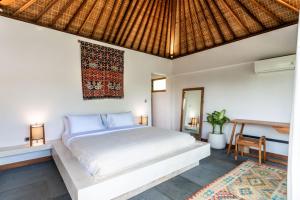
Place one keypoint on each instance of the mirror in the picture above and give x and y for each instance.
(192, 111)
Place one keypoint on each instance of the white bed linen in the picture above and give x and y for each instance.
(108, 152)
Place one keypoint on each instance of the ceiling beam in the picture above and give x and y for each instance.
(129, 28)
(164, 37)
(49, 5)
(246, 10)
(287, 5)
(112, 21)
(24, 7)
(89, 15)
(98, 19)
(75, 14)
(183, 27)
(142, 26)
(61, 12)
(157, 11)
(190, 35)
(127, 15)
(240, 23)
(107, 22)
(149, 23)
(159, 29)
(272, 15)
(215, 23)
(196, 25)
(203, 19)
(173, 24)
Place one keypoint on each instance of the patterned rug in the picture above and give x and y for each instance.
(248, 181)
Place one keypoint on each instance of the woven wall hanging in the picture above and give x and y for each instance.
(102, 70)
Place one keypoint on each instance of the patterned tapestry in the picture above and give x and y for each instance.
(102, 71)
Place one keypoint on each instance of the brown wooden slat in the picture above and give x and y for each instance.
(250, 14)
(163, 38)
(272, 15)
(173, 28)
(139, 26)
(148, 30)
(218, 22)
(183, 31)
(204, 26)
(158, 33)
(87, 16)
(236, 19)
(61, 12)
(190, 32)
(113, 18)
(24, 7)
(285, 4)
(141, 5)
(152, 32)
(78, 10)
(125, 21)
(50, 4)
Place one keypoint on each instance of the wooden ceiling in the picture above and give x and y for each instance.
(167, 28)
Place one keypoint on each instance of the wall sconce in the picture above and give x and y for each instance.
(37, 134)
(143, 120)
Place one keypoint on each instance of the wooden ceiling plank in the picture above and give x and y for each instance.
(49, 5)
(156, 28)
(150, 20)
(188, 15)
(130, 28)
(164, 29)
(61, 12)
(289, 6)
(183, 27)
(157, 11)
(24, 7)
(123, 24)
(173, 23)
(105, 29)
(120, 17)
(268, 12)
(98, 18)
(211, 15)
(149, 8)
(87, 16)
(160, 26)
(78, 10)
(243, 26)
(198, 4)
(166, 24)
(195, 23)
(246, 10)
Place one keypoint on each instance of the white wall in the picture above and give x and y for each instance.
(40, 80)
(227, 73)
(244, 95)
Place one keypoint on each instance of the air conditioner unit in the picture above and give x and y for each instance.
(275, 64)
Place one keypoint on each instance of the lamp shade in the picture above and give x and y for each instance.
(37, 133)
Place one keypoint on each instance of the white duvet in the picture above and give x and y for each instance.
(117, 150)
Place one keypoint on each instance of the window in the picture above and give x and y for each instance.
(159, 85)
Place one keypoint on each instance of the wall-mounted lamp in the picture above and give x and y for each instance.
(143, 120)
(37, 134)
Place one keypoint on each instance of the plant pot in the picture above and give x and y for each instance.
(217, 141)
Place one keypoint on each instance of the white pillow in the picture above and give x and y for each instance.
(115, 120)
(84, 123)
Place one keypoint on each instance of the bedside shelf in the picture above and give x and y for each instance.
(23, 149)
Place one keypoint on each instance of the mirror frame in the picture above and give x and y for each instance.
(199, 136)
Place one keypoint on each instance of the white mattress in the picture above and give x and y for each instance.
(117, 150)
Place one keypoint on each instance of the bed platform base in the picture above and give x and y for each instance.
(127, 183)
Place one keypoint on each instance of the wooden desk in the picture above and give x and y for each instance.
(283, 128)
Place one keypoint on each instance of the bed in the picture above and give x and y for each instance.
(118, 163)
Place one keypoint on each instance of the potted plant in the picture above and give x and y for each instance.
(216, 138)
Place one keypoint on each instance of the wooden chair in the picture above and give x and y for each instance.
(241, 141)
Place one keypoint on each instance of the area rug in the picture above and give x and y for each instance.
(248, 181)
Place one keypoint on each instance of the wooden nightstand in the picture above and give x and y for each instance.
(23, 155)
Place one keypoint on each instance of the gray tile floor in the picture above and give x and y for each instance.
(43, 182)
